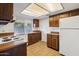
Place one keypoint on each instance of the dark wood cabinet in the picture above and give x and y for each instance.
(34, 37)
(19, 50)
(6, 11)
(64, 15)
(35, 22)
(49, 40)
(74, 12)
(53, 41)
(54, 19)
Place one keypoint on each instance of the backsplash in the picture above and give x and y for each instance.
(54, 29)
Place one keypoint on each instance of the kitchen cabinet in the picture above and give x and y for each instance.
(64, 15)
(74, 13)
(49, 40)
(19, 50)
(34, 37)
(53, 41)
(54, 21)
(6, 11)
(35, 22)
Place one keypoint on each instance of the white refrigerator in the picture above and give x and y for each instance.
(69, 36)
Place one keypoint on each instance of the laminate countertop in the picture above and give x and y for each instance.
(12, 44)
(54, 33)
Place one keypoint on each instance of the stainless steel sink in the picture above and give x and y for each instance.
(2, 41)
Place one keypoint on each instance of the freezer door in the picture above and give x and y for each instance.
(69, 42)
(69, 22)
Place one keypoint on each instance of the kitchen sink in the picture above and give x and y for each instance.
(2, 40)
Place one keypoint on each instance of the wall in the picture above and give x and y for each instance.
(44, 27)
(7, 28)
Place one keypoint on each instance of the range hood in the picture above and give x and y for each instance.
(4, 22)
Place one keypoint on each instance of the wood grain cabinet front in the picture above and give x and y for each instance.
(6, 11)
(49, 41)
(54, 19)
(53, 41)
(34, 37)
(19, 50)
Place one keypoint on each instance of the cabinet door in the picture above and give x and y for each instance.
(49, 40)
(55, 42)
(8, 11)
(20, 50)
(74, 13)
(30, 39)
(64, 15)
(51, 22)
(54, 21)
(35, 22)
(1, 10)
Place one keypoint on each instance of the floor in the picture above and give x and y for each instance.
(41, 49)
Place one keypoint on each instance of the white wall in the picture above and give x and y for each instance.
(7, 28)
(44, 27)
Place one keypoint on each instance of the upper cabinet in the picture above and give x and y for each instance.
(64, 15)
(35, 22)
(74, 12)
(54, 20)
(6, 11)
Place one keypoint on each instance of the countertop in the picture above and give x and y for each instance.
(34, 32)
(11, 44)
(54, 33)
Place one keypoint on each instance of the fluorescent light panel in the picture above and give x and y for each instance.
(40, 9)
(52, 7)
(35, 10)
(29, 13)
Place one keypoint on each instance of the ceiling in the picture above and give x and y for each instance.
(19, 7)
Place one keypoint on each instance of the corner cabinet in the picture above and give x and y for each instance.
(53, 41)
(6, 11)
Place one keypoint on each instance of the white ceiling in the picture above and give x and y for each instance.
(19, 7)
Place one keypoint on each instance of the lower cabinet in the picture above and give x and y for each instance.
(34, 37)
(53, 41)
(19, 50)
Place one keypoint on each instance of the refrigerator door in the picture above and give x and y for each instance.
(69, 22)
(69, 42)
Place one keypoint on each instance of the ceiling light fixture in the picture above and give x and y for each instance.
(51, 7)
(40, 9)
(35, 10)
